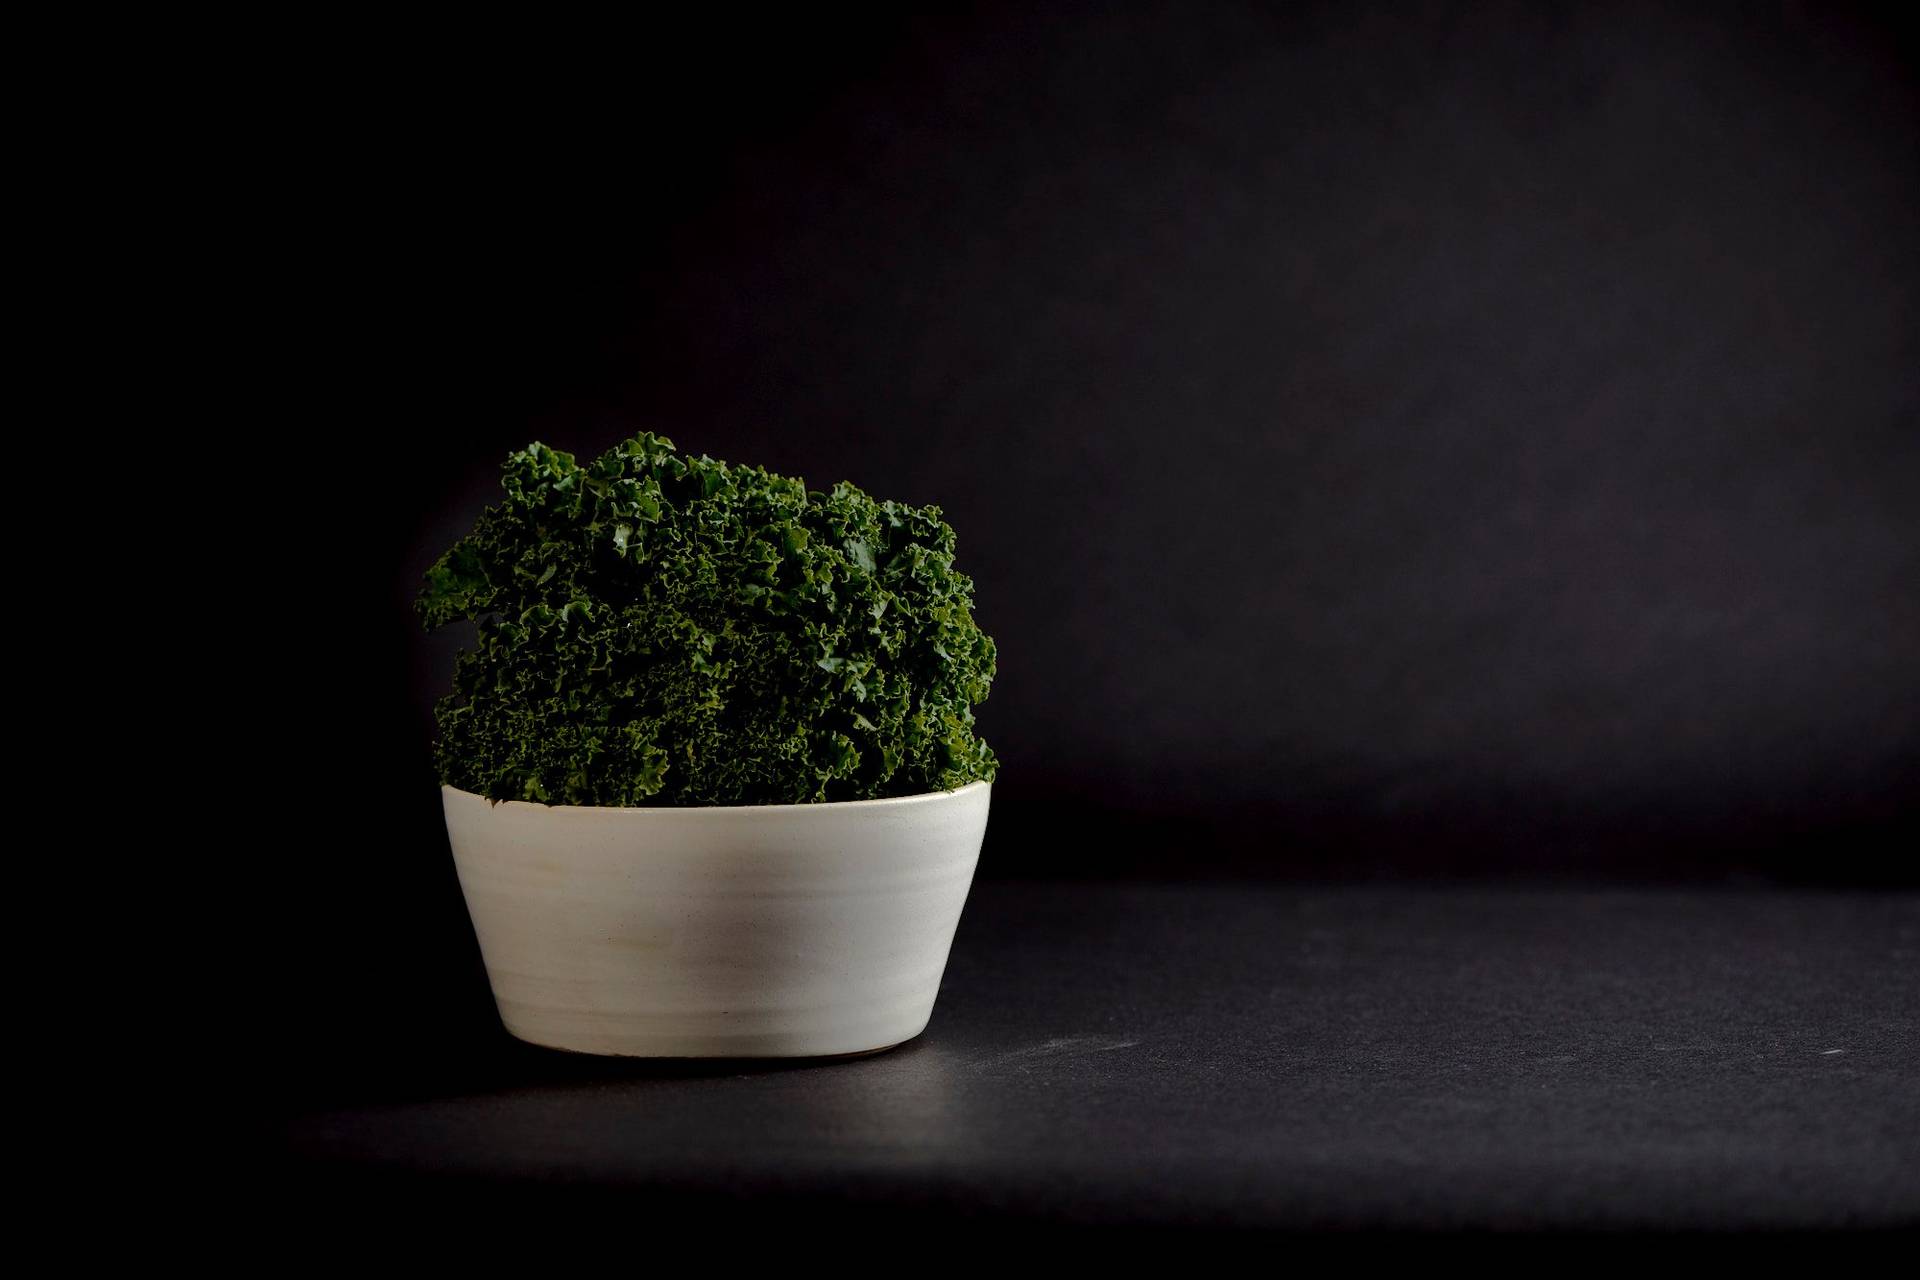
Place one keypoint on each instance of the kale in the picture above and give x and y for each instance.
(657, 629)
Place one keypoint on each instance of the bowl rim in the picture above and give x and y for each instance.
(686, 810)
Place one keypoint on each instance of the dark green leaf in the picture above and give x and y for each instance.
(709, 660)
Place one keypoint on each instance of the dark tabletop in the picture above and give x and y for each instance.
(1264, 1057)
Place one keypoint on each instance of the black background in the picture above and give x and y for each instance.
(1390, 442)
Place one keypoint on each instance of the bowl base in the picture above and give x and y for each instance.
(689, 1058)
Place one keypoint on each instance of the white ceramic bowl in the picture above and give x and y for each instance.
(760, 931)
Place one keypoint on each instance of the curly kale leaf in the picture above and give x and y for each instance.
(655, 629)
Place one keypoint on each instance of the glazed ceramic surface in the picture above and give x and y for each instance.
(759, 931)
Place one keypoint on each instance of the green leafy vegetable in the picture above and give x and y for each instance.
(656, 629)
